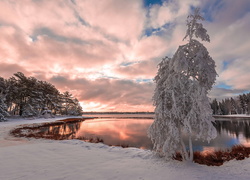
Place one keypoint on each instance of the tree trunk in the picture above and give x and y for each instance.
(184, 154)
(191, 155)
(184, 150)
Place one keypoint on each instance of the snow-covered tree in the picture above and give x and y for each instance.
(3, 108)
(29, 97)
(70, 105)
(3, 92)
(182, 108)
(75, 108)
(215, 106)
(29, 111)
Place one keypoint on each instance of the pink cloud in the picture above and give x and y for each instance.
(116, 18)
(7, 70)
(237, 74)
(142, 69)
(80, 46)
(119, 95)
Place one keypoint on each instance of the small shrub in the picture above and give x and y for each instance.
(217, 158)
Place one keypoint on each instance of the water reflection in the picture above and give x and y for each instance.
(229, 133)
(118, 132)
(59, 132)
(133, 133)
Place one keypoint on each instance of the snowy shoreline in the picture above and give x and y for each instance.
(234, 117)
(23, 158)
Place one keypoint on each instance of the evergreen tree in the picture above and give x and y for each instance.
(3, 109)
(182, 106)
(67, 102)
(242, 100)
(28, 97)
(228, 106)
(75, 108)
(215, 106)
(3, 92)
(234, 106)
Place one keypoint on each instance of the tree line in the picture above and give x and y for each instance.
(228, 106)
(29, 97)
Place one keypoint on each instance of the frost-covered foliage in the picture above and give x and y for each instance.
(27, 97)
(182, 108)
(3, 109)
(29, 111)
(70, 104)
(234, 105)
(195, 28)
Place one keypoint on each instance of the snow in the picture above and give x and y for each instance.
(24, 159)
(182, 107)
(235, 115)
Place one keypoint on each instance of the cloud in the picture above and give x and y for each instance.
(222, 93)
(118, 19)
(115, 94)
(237, 74)
(169, 11)
(229, 43)
(7, 70)
(141, 69)
(104, 52)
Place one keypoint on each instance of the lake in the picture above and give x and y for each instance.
(131, 131)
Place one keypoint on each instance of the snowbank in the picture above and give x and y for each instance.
(74, 159)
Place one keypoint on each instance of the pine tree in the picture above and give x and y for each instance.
(3, 109)
(215, 106)
(75, 108)
(3, 92)
(242, 101)
(67, 103)
(234, 106)
(182, 106)
(29, 97)
(228, 105)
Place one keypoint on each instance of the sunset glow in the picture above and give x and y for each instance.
(106, 52)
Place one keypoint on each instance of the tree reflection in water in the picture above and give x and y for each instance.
(64, 131)
(234, 127)
(133, 133)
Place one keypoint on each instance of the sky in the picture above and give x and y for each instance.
(106, 52)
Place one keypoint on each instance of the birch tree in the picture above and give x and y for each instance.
(182, 107)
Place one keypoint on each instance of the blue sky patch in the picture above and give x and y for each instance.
(150, 31)
(210, 9)
(125, 64)
(158, 31)
(148, 3)
(223, 86)
(144, 80)
(225, 64)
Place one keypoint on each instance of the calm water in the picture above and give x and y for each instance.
(132, 132)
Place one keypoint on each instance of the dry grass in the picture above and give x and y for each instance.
(217, 158)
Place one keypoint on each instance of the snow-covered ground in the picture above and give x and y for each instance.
(237, 115)
(22, 158)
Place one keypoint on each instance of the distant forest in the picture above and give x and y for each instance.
(28, 97)
(228, 106)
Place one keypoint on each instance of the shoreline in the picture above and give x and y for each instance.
(30, 158)
(231, 117)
